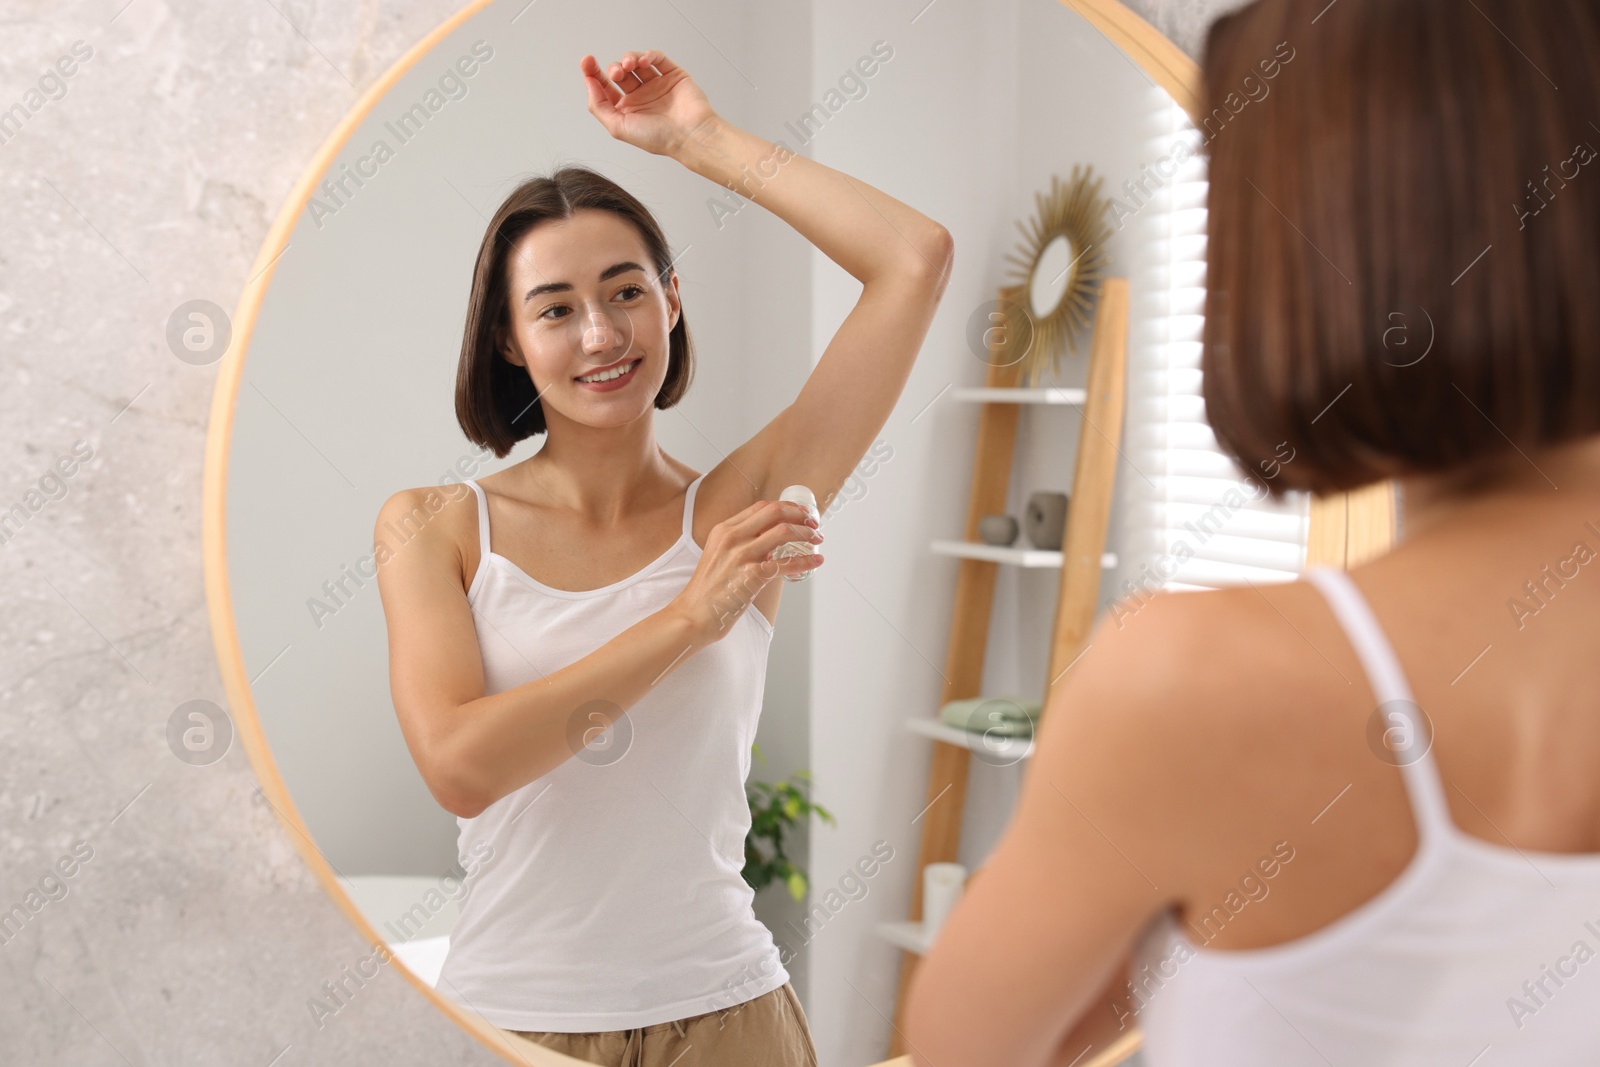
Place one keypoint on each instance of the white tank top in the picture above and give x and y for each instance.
(1477, 955)
(612, 898)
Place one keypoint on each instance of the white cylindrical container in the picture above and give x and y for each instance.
(942, 884)
(798, 494)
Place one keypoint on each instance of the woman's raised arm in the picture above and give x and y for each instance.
(901, 257)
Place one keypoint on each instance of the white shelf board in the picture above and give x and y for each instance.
(1000, 747)
(1047, 395)
(1011, 554)
(906, 935)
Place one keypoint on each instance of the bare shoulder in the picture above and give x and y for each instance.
(1221, 644)
(1208, 668)
(1174, 643)
(438, 523)
(1189, 720)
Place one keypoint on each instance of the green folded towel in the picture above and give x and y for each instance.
(1002, 716)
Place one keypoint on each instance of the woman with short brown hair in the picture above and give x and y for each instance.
(578, 645)
(1353, 819)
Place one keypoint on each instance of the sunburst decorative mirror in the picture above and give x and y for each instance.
(1060, 264)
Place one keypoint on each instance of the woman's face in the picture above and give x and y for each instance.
(584, 298)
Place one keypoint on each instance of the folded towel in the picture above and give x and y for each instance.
(1002, 716)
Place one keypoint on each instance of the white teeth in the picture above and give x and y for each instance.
(616, 373)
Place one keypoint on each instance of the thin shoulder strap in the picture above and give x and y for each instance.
(688, 507)
(1401, 721)
(483, 520)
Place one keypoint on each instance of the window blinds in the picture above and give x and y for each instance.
(1193, 519)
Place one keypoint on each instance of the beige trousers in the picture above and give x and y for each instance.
(769, 1031)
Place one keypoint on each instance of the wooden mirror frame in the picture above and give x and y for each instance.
(1344, 529)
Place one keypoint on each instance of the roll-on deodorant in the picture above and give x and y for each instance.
(798, 494)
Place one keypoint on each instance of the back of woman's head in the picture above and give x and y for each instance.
(496, 402)
(1403, 269)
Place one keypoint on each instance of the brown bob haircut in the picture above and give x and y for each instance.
(496, 402)
(1403, 274)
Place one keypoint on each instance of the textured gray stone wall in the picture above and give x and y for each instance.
(187, 931)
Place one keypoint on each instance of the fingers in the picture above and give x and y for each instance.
(797, 564)
(660, 61)
(774, 567)
(750, 523)
(784, 532)
(783, 511)
(788, 565)
(632, 71)
(603, 95)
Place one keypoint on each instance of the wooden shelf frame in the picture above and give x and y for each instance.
(1082, 553)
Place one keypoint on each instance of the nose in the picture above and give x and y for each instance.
(599, 334)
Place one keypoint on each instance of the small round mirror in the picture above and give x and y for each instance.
(1051, 274)
(1058, 268)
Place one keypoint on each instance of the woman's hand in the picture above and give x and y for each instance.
(736, 565)
(648, 101)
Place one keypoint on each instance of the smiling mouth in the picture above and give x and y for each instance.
(610, 375)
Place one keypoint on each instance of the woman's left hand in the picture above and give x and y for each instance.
(649, 101)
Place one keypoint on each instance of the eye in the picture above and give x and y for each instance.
(636, 291)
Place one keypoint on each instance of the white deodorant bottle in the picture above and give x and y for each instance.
(798, 494)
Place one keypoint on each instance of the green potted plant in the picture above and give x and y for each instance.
(775, 809)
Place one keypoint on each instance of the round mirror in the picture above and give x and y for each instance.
(1051, 276)
(1065, 252)
(340, 391)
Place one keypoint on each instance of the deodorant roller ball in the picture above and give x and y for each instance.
(798, 494)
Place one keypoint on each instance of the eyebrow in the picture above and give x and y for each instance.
(563, 287)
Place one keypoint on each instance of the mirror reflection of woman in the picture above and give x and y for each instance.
(578, 644)
(1239, 833)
